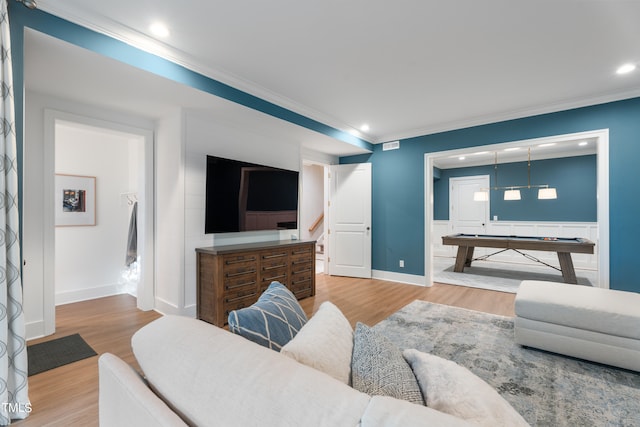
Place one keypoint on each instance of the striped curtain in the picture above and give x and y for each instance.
(14, 397)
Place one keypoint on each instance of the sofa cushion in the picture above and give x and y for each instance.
(453, 389)
(272, 321)
(325, 343)
(583, 307)
(378, 368)
(214, 378)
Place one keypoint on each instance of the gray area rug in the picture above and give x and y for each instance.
(545, 388)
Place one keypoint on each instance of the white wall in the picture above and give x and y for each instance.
(170, 214)
(89, 260)
(202, 137)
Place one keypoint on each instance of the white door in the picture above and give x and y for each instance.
(349, 251)
(465, 214)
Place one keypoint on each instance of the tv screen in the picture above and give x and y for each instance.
(243, 196)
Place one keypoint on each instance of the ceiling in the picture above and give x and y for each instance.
(407, 68)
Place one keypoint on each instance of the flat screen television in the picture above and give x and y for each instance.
(243, 196)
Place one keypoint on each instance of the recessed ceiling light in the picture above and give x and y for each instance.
(159, 29)
(364, 128)
(461, 158)
(480, 153)
(512, 149)
(583, 143)
(626, 68)
(550, 144)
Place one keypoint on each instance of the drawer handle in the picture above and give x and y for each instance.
(227, 300)
(306, 270)
(238, 261)
(299, 281)
(273, 267)
(304, 251)
(301, 261)
(239, 285)
(273, 256)
(269, 279)
(240, 273)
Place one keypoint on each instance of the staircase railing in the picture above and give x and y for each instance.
(316, 223)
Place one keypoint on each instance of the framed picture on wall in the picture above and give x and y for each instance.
(75, 200)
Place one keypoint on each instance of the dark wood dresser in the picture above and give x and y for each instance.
(234, 276)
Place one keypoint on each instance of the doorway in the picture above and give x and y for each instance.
(601, 139)
(313, 216)
(73, 262)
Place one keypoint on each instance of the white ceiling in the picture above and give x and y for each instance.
(406, 68)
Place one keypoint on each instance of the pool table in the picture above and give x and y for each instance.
(561, 245)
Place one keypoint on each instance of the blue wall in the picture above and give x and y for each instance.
(575, 179)
(398, 182)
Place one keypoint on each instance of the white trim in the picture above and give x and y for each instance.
(509, 115)
(88, 294)
(410, 279)
(146, 289)
(602, 139)
(165, 307)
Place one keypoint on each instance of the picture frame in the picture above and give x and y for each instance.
(75, 200)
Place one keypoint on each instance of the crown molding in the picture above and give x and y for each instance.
(510, 115)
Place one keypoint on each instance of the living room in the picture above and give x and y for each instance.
(400, 196)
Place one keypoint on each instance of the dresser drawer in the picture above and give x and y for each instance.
(236, 304)
(231, 277)
(302, 254)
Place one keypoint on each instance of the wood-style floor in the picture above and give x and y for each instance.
(68, 396)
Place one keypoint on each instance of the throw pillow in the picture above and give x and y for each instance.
(378, 368)
(454, 389)
(325, 343)
(272, 321)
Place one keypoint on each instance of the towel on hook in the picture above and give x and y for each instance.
(132, 241)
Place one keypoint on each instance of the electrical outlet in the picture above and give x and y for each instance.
(401, 263)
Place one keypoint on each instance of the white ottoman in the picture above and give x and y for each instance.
(600, 325)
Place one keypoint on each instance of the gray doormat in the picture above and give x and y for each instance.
(58, 352)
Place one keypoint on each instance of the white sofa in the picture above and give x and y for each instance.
(600, 325)
(200, 375)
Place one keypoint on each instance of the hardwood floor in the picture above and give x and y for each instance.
(68, 396)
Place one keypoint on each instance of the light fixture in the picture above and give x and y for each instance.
(31, 4)
(547, 194)
(364, 128)
(512, 195)
(512, 192)
(626, 68)
(158, 29)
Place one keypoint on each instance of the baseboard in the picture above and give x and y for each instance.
(35, 330)
(88, 293)
(165, 307)
(411, 279)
